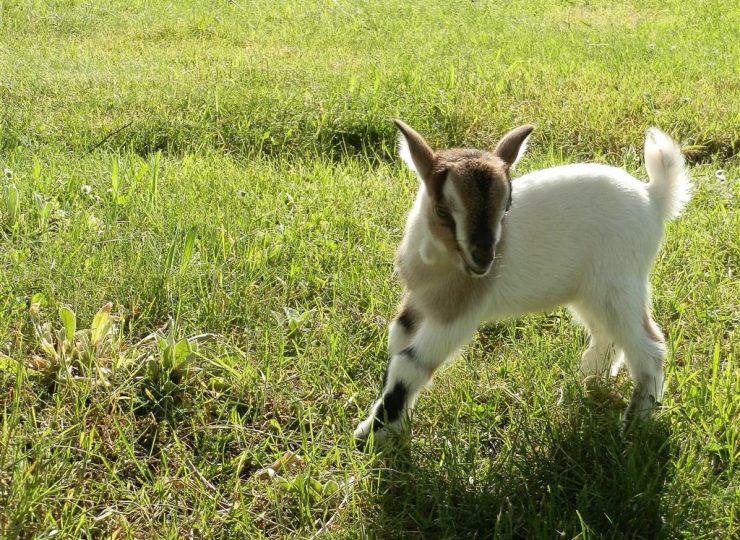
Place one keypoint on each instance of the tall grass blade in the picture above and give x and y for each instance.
(187, 251)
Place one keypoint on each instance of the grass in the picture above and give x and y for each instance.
(223, 174)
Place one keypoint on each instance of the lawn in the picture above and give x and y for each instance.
(200, 205)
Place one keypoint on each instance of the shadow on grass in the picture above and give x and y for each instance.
(579, 475)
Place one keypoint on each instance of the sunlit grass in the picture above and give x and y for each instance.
(223, 174)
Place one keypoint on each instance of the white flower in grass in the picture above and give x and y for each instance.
(7, 173)
(86, 189)
(93, 222)
(720, 175)
(651, 46)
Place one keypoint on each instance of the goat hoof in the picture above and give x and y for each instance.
(641, 407)
(363, 431)
(368, 434)
(374, 440)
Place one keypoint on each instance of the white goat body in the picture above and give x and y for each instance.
(585, 235)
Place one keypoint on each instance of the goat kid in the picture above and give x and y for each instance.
(479, 247)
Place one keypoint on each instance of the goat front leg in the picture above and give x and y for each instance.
(402, 329)
(409, 370)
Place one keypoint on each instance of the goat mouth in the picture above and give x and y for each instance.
(477, 272)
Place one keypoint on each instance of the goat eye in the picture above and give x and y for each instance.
(441, 212)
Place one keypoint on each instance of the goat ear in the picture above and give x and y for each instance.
(512, 146)
(414, 150)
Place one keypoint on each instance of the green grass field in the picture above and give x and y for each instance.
(223, 173)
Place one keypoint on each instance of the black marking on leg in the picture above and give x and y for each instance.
(407, 319)
(409, 351)
(391, 406)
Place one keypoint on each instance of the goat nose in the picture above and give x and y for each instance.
(481, 257)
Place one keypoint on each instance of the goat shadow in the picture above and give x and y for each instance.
(577, 476)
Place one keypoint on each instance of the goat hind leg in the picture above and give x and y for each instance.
(597, 359)
(644, 349)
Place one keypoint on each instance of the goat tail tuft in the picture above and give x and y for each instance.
(669, 187)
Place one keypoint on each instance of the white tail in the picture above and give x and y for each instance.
(669, 188)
